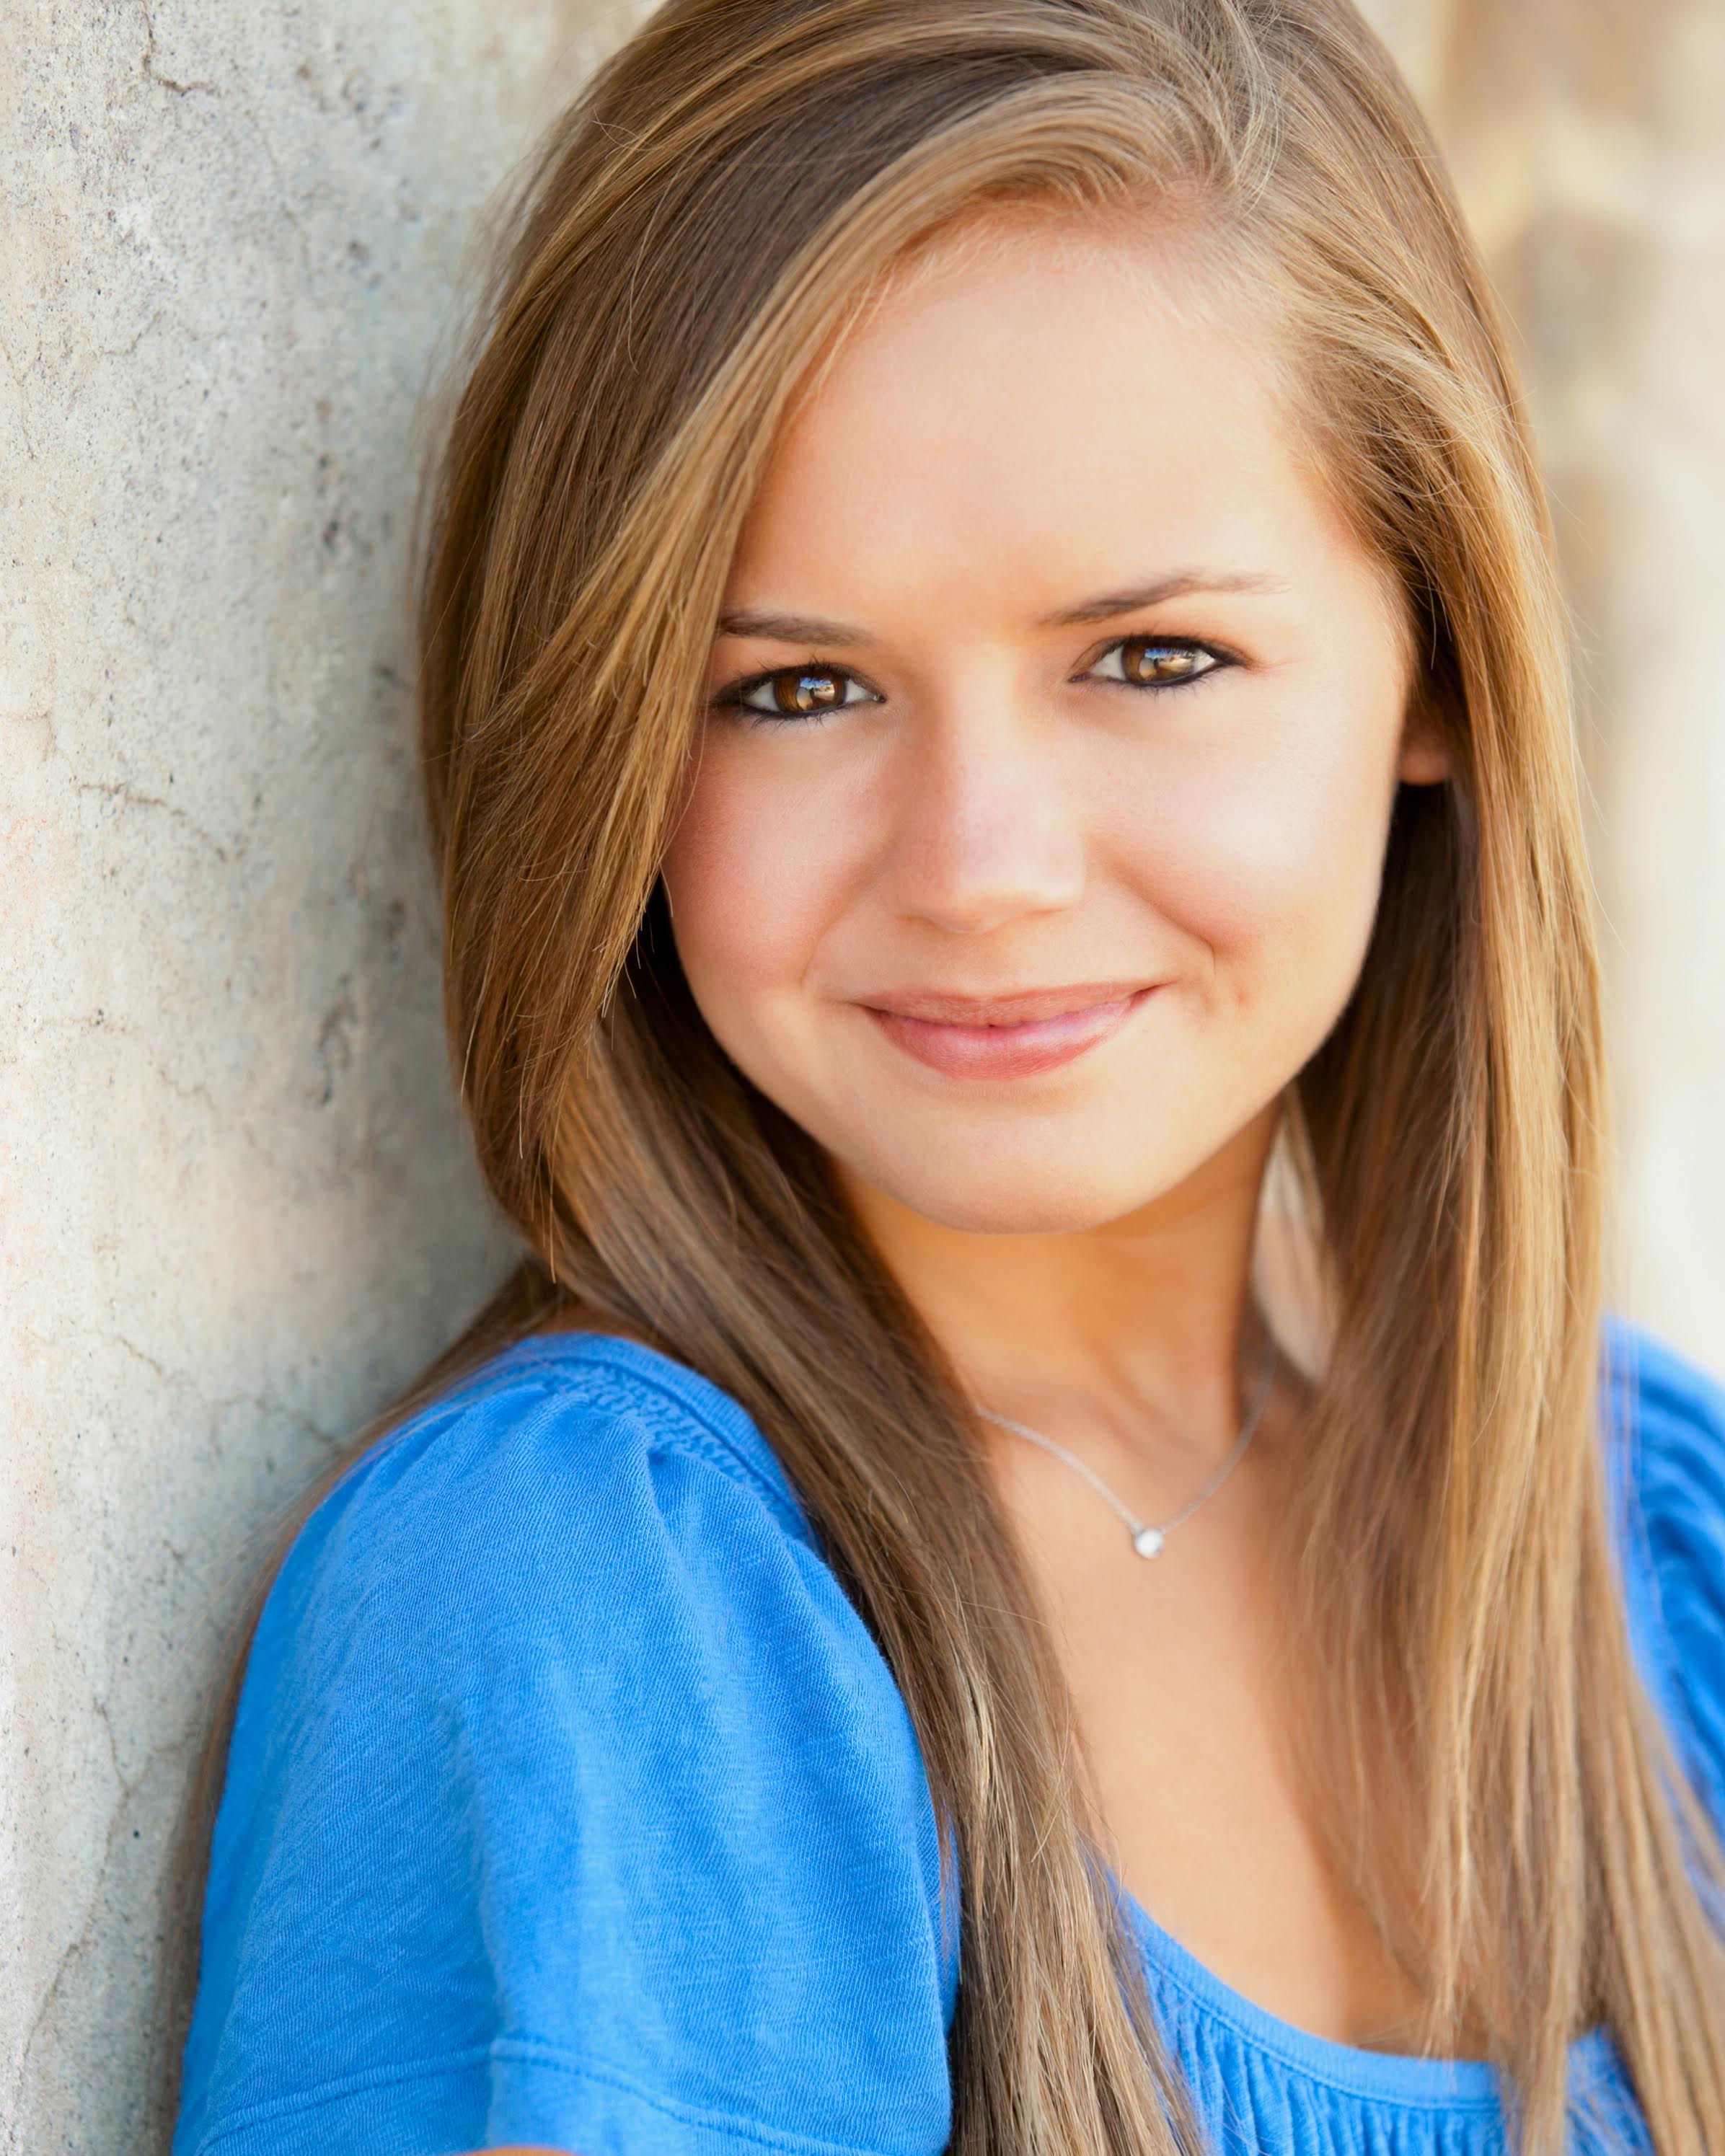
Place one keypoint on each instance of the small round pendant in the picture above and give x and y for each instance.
(1148, 1541)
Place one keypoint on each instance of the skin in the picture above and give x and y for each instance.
(975, 504)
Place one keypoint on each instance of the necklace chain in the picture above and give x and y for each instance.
(1147, 1537)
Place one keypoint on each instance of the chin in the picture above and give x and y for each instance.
(985, 1195)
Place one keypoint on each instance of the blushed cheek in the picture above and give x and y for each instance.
(1273, 874)
(754, 873)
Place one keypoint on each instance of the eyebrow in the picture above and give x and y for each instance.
(1105, 606)
(791, 628)
(1180, 584)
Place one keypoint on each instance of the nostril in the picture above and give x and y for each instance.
(986, 829)
(964, 886)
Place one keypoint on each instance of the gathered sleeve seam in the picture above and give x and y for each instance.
(695, 1431)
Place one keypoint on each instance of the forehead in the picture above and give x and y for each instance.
(1043, 400)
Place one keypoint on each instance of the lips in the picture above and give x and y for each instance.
(1013, 1036)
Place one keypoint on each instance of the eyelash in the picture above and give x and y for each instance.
(731, 698)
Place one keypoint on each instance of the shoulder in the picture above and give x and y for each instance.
(572, 1480)
(574, 1485)
(1667, 1416)
(559, 1436)
(563, 1759)
(583, 1528)
(1666, 1426)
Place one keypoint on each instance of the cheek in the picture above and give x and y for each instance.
(755, 873)
(1272, 865)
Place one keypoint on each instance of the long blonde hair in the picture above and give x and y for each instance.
(728, 189)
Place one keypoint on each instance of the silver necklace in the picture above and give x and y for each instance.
(1147, 1537)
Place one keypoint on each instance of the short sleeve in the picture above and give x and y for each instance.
(1671, 1417)
(570, 1803)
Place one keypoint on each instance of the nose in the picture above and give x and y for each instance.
(989, 832)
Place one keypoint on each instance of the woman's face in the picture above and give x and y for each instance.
(1056, 720)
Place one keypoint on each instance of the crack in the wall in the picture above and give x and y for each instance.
(295, 223)
(192, 1091)
(218, 1405)
(83, 1943)
(153, 74)
(335, 1039)
(129, 794)
(18, 380)
(128, 350)
(143, 1356)
(67, 1652)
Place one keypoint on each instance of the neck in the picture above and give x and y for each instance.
(1134, 1327)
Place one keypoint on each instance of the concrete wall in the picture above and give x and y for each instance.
(237, 1210)
(1586, 137)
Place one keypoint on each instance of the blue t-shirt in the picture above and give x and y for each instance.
(570, 1802)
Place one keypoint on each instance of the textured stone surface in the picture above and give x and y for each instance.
(238, 1210)
(1586, 140)
(234, 1207)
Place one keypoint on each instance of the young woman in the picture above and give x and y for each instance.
(1049, 1552)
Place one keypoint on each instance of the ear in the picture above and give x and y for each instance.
(1424, 759)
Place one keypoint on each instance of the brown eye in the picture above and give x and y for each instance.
(798, 692)
(1149, 662)
(814, 690)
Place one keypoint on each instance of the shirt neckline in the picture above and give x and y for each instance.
(1403, 2077)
